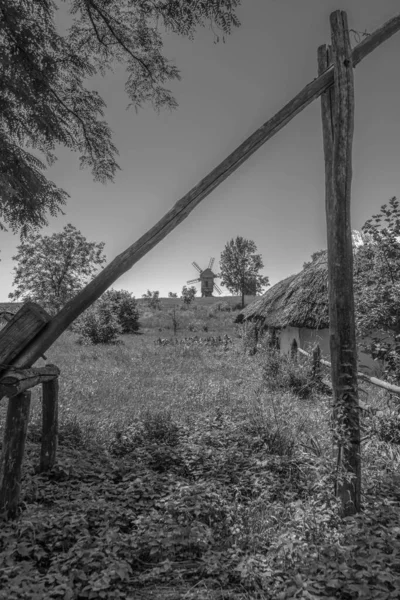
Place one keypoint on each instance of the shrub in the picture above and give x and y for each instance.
(387, 427)
(124, 306)
(98, 325)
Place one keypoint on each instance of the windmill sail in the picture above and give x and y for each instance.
(196, 266)
(210, 265)
(193, 281)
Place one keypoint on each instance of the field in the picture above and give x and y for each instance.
(189, 468)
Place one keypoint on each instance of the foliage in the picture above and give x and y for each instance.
(224, 492)
(124, 307)
(172, 295)
(44, 98)
(99, 324)
(377, 286)
(314, 257)
(52, 269)
(240, 266)
(188, 294)
(284, 373)
(152, 299)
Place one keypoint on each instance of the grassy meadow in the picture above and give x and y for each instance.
(190, 468)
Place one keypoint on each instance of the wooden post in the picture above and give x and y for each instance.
(48, 449)
(340, 264)
(316, 370)
(293, 350)
(13, 453)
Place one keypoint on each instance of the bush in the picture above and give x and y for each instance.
(387, 427)
(124, 306)
(98, 325)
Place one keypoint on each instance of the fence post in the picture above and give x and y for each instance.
(293, 350)
(13, 452)
(49, 445)
(316, 369)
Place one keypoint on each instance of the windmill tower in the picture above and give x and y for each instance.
(206, 279)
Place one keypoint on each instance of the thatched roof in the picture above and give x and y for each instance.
(299, 300)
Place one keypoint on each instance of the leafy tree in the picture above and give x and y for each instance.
(52, 269)
(172, 295)
(188, 294)
(44, 101)
(124, 307)
(377, 286)
(152, 299)
(240, 266)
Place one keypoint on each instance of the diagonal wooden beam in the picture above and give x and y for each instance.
(124, 261)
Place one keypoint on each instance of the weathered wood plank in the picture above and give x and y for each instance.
(185, 205)
(340, 268)
(16, 382)
(13, 454)
(21, 329)
(49, 445)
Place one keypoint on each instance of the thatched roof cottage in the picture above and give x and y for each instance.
(297, 309)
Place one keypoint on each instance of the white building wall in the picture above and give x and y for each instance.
(308, 338)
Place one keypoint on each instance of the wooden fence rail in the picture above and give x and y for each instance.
(390, 387)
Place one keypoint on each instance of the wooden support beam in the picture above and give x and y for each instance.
(49, 445)
(185, 205)
(18, 381)
(13, 453)
(340, 269)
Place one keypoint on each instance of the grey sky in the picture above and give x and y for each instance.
(227, 91)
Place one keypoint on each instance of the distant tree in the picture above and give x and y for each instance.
(172, 295)
(240, 266)
(188, 294)
(152, 299)
(52, 269)
(44, 99)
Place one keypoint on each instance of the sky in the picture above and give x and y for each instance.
(228, 90)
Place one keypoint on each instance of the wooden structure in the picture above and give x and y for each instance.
(16, 385)
(337, 148)
(206, 278)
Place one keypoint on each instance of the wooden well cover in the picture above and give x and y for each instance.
(20, 330)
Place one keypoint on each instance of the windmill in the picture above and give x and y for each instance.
(206, 278)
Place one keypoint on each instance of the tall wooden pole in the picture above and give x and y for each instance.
(340, 262)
